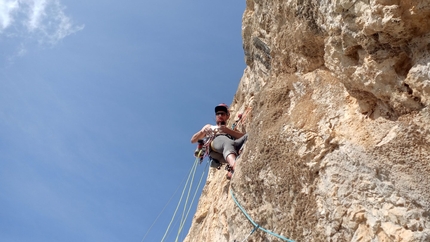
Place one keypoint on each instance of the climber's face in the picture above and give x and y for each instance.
(221, 117)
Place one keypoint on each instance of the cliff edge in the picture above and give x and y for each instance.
(337, 96)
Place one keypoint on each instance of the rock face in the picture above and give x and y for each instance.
(338, 101)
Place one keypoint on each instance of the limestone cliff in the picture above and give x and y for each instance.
(339, 125)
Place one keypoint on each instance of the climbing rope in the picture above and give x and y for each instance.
(256, 226)
(182, 195)
(200, 154)
(187, 207)
(164, 208)
(192, 202)
(188, 195)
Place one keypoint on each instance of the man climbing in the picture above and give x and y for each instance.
(226, 143)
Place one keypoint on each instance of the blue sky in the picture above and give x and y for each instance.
(98, 102)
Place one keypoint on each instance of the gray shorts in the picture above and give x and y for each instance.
(222, 146)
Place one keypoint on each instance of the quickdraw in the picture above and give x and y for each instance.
(241, 119)
(202, 149)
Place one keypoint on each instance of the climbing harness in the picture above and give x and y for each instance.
(256, 226)
(203, 148)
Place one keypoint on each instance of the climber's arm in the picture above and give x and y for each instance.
(201, 134)
(235, 134)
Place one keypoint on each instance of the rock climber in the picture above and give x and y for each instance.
(227, 142)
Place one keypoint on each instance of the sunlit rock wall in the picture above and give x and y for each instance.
(339, 125)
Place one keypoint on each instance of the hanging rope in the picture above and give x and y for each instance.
(188, 195)
(165, 206)
(255, 224)
(180, 199)
(192, 202)
(200, 154)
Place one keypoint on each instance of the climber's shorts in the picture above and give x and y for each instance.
(222, 146)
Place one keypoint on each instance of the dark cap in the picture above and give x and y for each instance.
(222, 107)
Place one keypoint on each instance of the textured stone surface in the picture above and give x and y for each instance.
(339, 127)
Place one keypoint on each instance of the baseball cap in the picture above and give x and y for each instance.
(222, 107)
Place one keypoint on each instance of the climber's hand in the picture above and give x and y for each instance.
(223, 129)
(206, 129)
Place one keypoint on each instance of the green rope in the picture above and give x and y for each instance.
(165, 206)
(180, 199)
(255, 224)
(188, 196)
(184, 217)
(192, 201)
